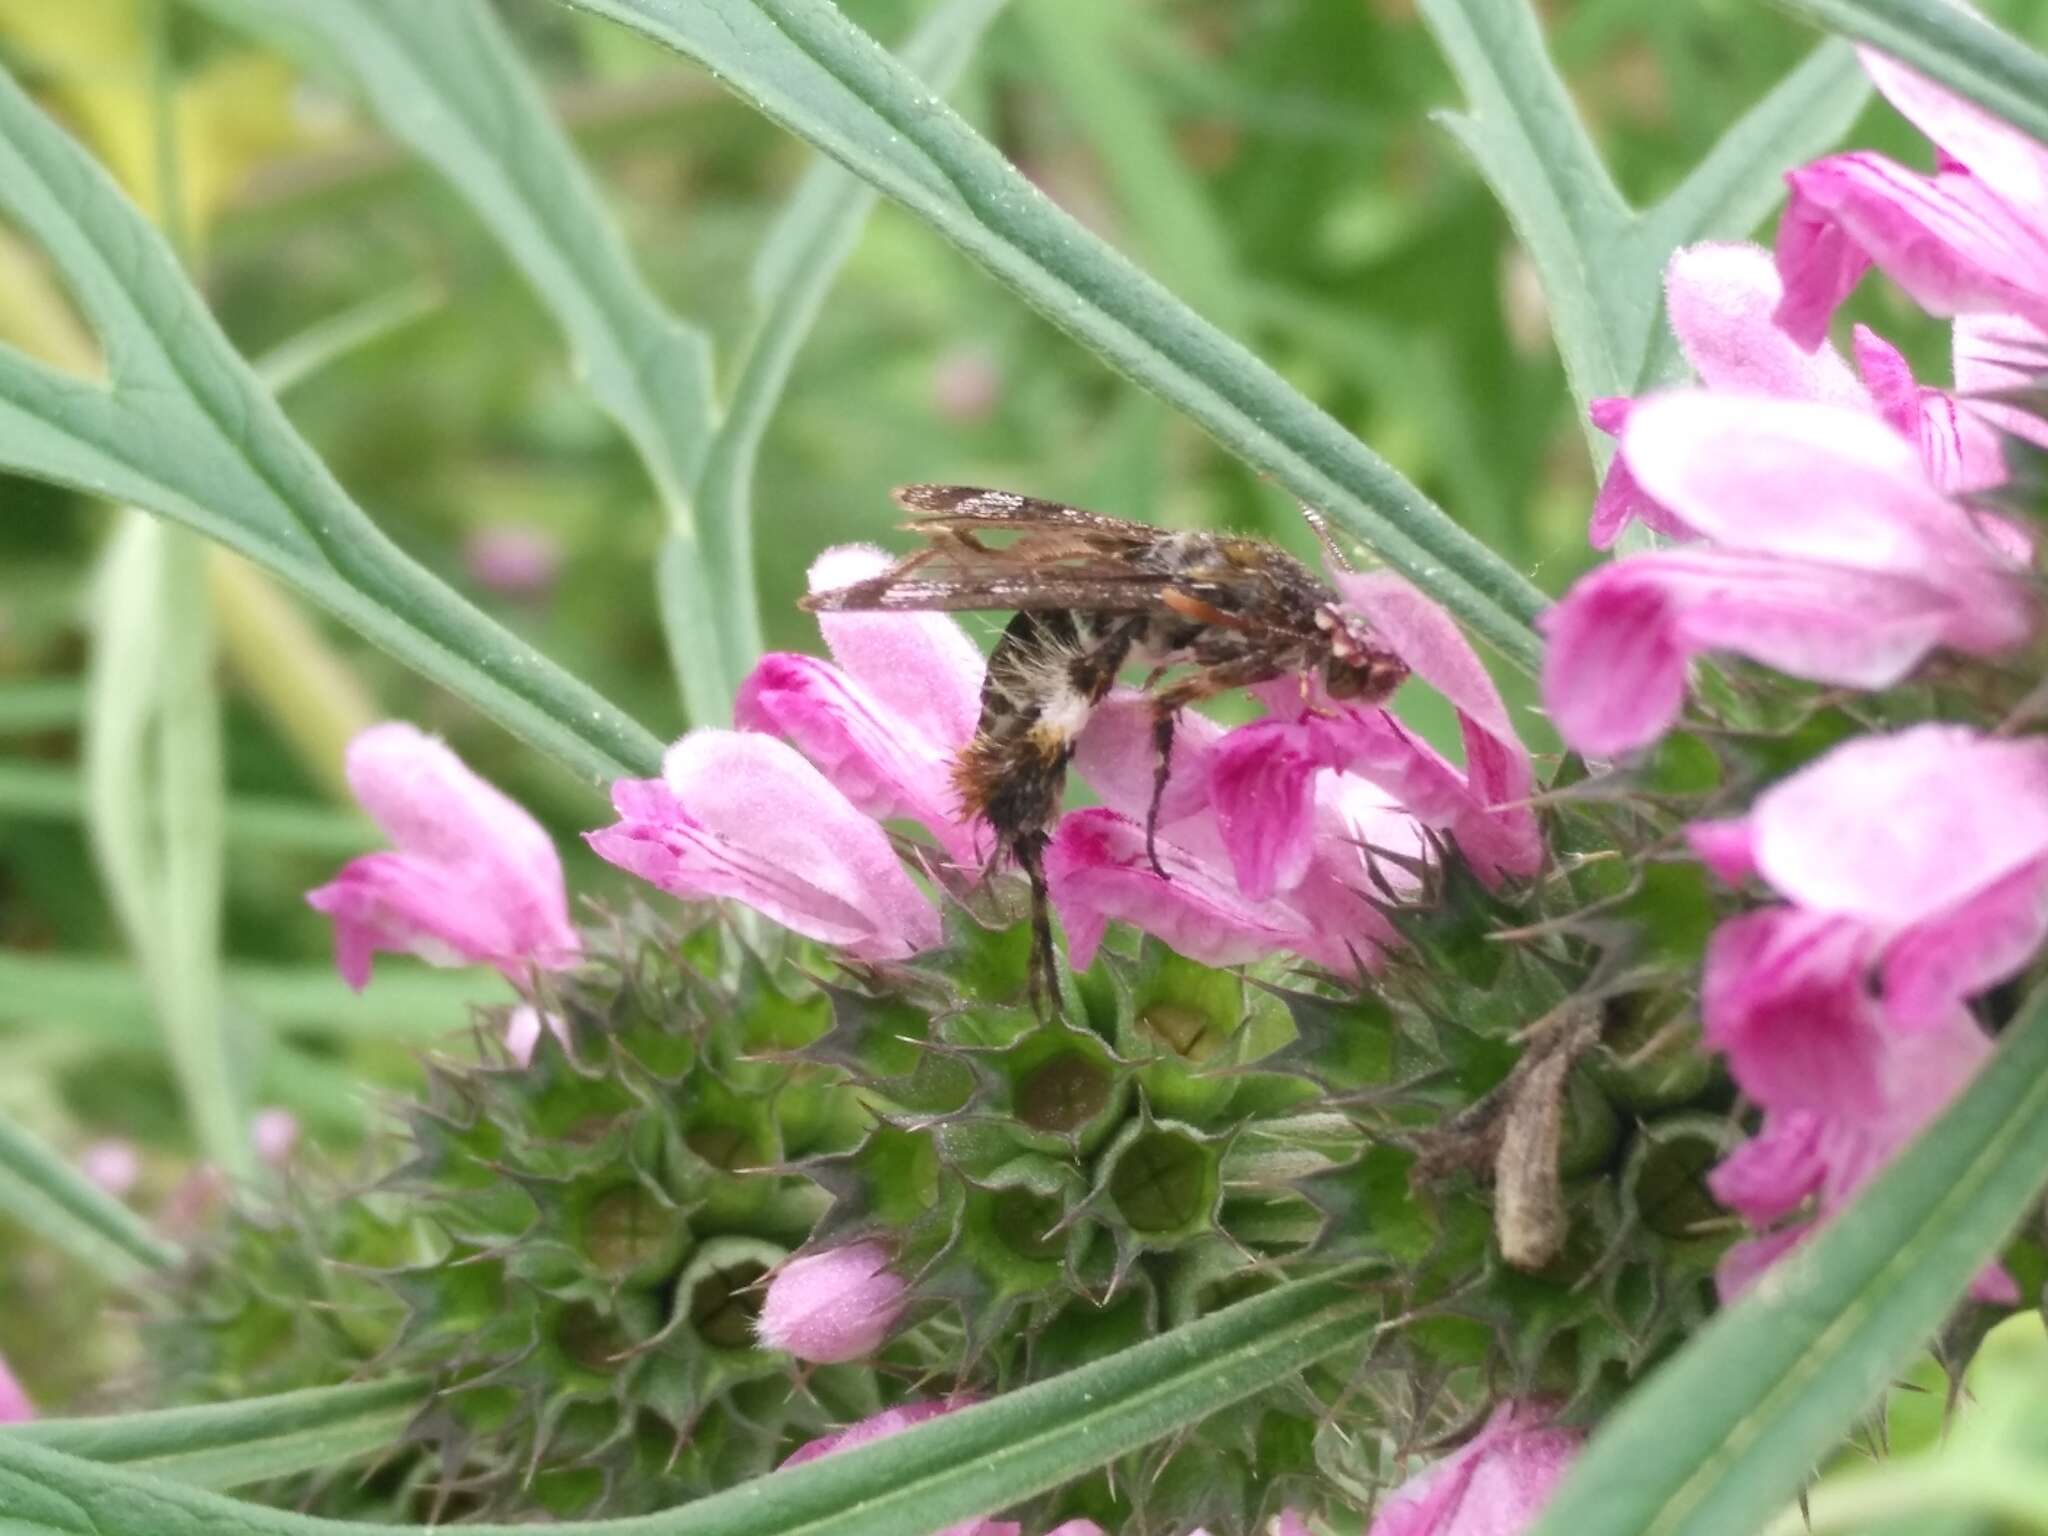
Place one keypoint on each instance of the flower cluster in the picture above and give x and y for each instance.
(1833, 524)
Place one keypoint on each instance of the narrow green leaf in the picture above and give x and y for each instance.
(794, 269)
(184, 430)
(190, 787)
(49, 1197)
(978, 1459)
(1722, 1436)
(803, 64)
(107, 999)
(1601, 263)
(1084, 53)
(446, 82)
(1951, 44)
(153, 805)
(1523, 134)
(47, 792)
(226, 1445)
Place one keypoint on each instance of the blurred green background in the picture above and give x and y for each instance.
(1273, 161)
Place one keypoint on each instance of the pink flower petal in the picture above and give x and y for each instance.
(1818, 262)
(1098, 873)
(1948, 240)
(1114, 755)
(874, 758)
(1935, 965)
(1728, 848)
(2010, 163)
(1495, 1485)
(475, 878)
(1722, 300)
(1262, 786)
(1620, 641)
(1772, 1174)
(893, 1421)
(1812, 482)
(1897, 829)
(921, 667)
(2000, 354)
(15, 1407)
(744, 816)
(1783, 995)
(1503, 837)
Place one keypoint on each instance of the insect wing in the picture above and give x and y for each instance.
(967, 508)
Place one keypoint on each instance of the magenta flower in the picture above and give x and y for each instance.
(1971, 238)
(742, 816)
(886, 722)
(1098, 869)
(1832, 558)
(1495, 1485)
(1929, 848)
(893, 1421)
(474, 878)
(1916, 866)
(1262, 786)
(15, 1407)
(832, 1306)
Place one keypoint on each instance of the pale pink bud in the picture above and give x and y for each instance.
(832, 1306)
(274, 1134)
(113, 1164)
(513, 561)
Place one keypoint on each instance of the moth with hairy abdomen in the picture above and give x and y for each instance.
(1093, 596)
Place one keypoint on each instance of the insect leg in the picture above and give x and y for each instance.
(1044, 976)
(1163, 721)
(1167, 703)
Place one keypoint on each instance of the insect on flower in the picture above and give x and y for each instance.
(1093, 596)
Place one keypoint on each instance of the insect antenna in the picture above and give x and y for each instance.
(1321, 526)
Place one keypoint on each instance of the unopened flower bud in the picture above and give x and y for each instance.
(15, 1408)
(112, 1164)
(833, 1306)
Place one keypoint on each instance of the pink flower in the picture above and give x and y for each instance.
(1917, 869)
(1722, 300)
(1098, 870)
(885, 723)
(1495, 1485)
(1971, 238)
(1832, 558)
(743, 816)
(274, 1134)
(113, 1164)
(967, 385)
(474, 878)
(893, 1421)
(513, 561)
(15, 1407)
(1927, 849)
(1262, 783)
(836, 1305)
